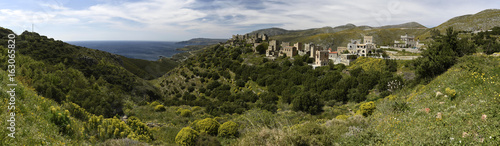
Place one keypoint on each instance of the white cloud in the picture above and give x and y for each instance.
(182, 19)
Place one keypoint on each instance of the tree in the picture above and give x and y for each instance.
(307, 102)
(439, 56)
(261, 49)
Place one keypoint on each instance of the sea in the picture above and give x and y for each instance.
(147, 50)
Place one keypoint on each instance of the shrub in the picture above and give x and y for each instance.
(61, 119)
(186, 137)
(342, 117)
(207, 140)
(208, 125)
(451, 93)
(160, 108)
(366, 109)
(196, 108)
(185, 113)
(190, 89)
(307, 103)
(228, 129)
(400, 106)
(77, 111)
(141, 130)
(178, 111)
(154, 103)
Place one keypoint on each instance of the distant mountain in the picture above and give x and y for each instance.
(202, 41)
(313, 31)
(333, 37)
(271, 31)
(484, 20)
(404, 25)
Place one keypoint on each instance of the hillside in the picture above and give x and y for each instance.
(468, 115)
(483, 20)
(380, 36)
(201, 41)
(93, 79)
(341, 35)
(404, 25)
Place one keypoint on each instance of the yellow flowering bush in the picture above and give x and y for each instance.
(154, 104)
(208, 125)
(228, 129)
(77, 111)
(342, 117)
(451, 93)
(160, 108)
(139, 128)
(186, 137)
(366, 109)
(61, 119)
(185, 113)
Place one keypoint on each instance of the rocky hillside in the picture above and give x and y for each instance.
(484, 20)
(404, 25)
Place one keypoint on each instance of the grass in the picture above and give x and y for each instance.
(477, 92)
(31, 108)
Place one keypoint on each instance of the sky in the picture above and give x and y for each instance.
(178, 20)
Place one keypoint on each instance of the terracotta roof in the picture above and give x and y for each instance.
(335, 52)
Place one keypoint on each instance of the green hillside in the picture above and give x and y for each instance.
(94, 79)
(341, 38)
(483, 20)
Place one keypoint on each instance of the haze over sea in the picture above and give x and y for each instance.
(147, 50)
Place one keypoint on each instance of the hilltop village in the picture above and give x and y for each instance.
(322, 55)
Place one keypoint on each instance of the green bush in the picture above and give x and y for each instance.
(61, 119)
(141, 130)
(342, 117)
(196, 108)
(366, 109)
(228, 129)
(208, 125)
(307, 103)
(185, 113)
(186, 137)
(160, 108)
(451, 93)
(77, 111)
(154, 104)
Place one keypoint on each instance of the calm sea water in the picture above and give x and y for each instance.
(147, 50)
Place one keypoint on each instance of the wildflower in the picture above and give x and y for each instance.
(439, 116)
(483, 117)
(427, 110)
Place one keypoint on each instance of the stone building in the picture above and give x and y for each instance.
(289, 51)
(352, 46)
(273, 48)
(365, 49)
(358, 48)
(341, 50)
(306, 49)
(299, 46)
(346, 59)
(332, 55)
(321, 57)
(406, 41)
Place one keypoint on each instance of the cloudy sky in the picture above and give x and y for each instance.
(176, 20)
